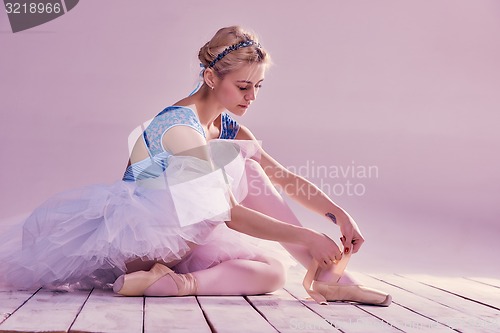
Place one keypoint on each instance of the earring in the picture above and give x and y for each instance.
(212, 87)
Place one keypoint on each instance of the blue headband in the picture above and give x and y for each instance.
(231, 49)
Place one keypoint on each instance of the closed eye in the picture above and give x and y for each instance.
(246, 88)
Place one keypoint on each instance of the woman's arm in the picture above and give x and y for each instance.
(185, 141)
(307, 194)
(256, 224)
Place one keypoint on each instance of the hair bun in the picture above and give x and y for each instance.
(227, 37)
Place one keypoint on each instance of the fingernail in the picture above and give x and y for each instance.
(346, 250)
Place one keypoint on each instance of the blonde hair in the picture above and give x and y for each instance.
(227, 37)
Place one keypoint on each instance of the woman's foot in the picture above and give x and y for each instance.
(352, 293)
(158, 281)
(337, 285)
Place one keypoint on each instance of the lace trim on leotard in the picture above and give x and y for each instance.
(165, 120)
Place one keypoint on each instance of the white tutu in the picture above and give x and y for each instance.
(84, 237)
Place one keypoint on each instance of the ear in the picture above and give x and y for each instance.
(210, 77)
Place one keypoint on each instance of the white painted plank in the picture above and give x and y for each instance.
(483, 313)
(440, 313)
(10, 301)
(233, 314)
(459, 286)
(174, 314)
(380, 319)
(344, 316)
(106, 312)
(287, 314)
(46, 311)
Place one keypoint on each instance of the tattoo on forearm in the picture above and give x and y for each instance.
(332, 217)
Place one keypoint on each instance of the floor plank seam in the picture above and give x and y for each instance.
(26, 301)
(425, 316)
(379, 318)
(210, 325)
(430, 299)
(80, 310)
(301, 301)
(464, 297)
(461, 296)
(481, 282)
(259, 312)
(391, 284)
(452, 293)
(143, 314)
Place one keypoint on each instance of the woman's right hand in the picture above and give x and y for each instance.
(323, 249)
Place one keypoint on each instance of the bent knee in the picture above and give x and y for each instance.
(278, 280)
(276, 277)
(254, 166)
(252, 163)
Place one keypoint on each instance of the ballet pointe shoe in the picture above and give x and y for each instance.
(134, 284)
(351, 293)
(322, 292)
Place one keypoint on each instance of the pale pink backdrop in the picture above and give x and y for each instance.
(408, 88)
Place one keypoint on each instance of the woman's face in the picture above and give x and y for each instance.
(238, 89)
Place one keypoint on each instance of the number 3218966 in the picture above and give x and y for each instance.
(32, 8)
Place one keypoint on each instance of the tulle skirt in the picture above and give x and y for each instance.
(84, 237)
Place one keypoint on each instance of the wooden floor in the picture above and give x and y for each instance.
(421, 303)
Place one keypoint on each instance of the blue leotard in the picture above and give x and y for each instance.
(171, 116)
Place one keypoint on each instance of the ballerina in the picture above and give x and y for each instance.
(182, 238)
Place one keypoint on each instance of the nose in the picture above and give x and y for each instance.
(251, 95)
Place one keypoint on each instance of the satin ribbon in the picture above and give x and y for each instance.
(313, 270)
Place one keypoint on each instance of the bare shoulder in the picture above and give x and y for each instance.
(244, 133)
(272, 167)
(184, 140)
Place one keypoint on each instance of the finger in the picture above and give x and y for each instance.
(357, 244)
(337, 255)
(347, 249)
(347, 241)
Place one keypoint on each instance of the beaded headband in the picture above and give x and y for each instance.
(232, 48)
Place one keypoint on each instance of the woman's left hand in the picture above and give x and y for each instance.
(350, 232)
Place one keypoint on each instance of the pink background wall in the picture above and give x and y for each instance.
(410, 88)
